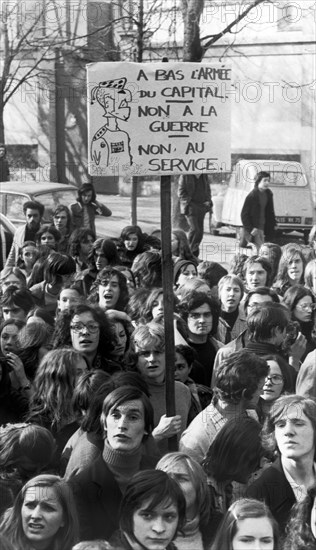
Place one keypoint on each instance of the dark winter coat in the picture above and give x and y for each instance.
(250, 213)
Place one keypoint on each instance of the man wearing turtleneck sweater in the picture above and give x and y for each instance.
(149, 342)
(127, 419)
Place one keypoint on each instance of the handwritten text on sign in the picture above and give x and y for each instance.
(158, 119)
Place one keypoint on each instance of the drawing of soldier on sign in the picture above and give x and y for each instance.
(110, 145)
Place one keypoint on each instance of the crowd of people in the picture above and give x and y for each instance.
(85, 461)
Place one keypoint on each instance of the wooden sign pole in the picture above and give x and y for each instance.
(167, 281)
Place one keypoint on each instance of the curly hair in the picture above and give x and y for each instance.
(195, 300)
(103, 278)
(76, 238)
(62, 334)
(147, 269)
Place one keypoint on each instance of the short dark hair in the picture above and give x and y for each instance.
(263, 320)
(34, 205)
(260, 176)
(154, 486)
(238, 376)
(21, 298)
(57, 265)
(196, 300)
(128, 393)
(237, 444)
(85, 188)
(187, 352)
(262, 290)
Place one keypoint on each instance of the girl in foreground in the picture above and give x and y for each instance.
(248, 524)
(42, 517)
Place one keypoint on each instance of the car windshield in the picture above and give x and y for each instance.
(52, 199)
(288, 178)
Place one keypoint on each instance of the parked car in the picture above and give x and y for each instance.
(293, 203)
(7, 231)
(14, 193)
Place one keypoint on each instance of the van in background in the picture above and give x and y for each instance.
(293, 202)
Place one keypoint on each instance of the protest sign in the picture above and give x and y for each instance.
(158, 118)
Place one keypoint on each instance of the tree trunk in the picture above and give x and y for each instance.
(192, 51)
(2, 137)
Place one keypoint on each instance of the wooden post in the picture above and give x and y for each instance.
(134, 201)
(167, 282)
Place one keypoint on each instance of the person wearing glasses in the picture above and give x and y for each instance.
(301, 303)
(87, 329)
(277, 382)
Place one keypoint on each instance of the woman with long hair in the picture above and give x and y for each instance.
(130, 244)
(248, 523)
(49, 236)
(279, 381)
(43, 516)
(302, 304)
(54, 383)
